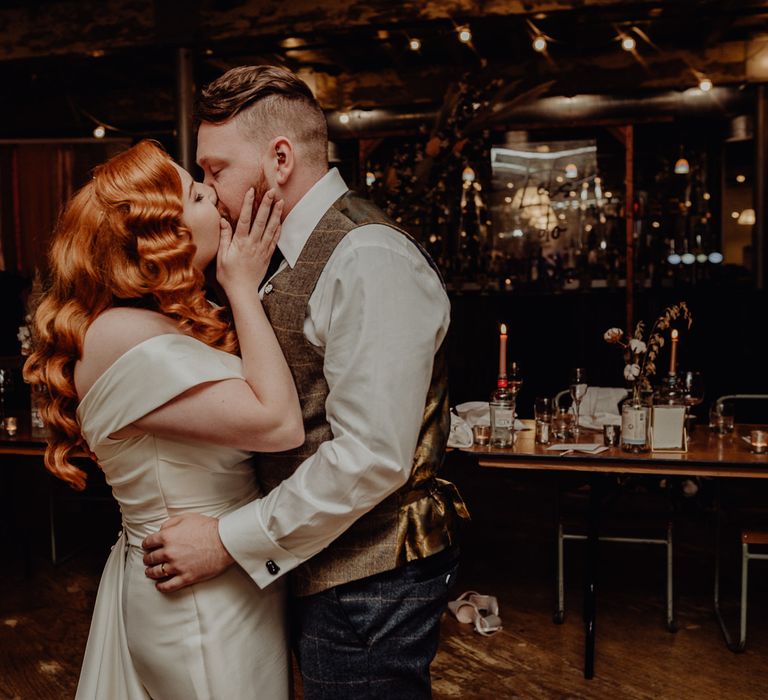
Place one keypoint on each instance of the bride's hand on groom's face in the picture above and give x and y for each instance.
(186, 550)
(244, 255)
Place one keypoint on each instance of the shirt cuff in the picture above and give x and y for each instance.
(250, 545)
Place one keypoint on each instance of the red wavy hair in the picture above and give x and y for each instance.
(120, 241)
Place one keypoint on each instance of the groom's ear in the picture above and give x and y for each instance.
(284, 159)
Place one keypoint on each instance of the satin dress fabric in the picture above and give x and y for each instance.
(221, 639)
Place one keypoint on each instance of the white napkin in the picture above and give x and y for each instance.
(593, 447)
(479, 413)
(597, 421)
(600, 406)
(461, 433)
(602, 399)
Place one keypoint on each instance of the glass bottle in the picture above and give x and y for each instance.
(502, 406)
(37, 395)
(635, 421)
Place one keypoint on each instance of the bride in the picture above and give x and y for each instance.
(141, 369)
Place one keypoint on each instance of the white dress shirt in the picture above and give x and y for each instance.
(378, 314)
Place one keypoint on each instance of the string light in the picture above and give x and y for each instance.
(414, 44)
(344, 118)
(99, 132)
(628, 43)
(539, 44)
(465, 36)
(682, 166)
(705, 84)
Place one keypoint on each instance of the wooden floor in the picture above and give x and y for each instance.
(44, 614)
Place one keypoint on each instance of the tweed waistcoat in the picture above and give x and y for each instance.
(419, 519)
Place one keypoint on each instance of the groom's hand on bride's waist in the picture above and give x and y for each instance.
(187, 549)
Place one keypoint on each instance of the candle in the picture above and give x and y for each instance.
(673, 354)
(10, 425)
(503, 350)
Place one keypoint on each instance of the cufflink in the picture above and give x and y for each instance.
(272, 567)
(268, 289)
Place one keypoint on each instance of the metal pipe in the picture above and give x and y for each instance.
(184, 96)
(629, 214)
(578, 109)
(761, 225)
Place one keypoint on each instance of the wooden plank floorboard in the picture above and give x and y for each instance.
(508, 552)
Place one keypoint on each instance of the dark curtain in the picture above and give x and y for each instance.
(36, 180)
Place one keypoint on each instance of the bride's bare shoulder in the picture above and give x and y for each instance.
(110, 335)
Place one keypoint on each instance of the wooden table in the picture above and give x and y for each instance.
(28, 443)
(708, 455)
(22, 443)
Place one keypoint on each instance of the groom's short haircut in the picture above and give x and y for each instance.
(269, 101)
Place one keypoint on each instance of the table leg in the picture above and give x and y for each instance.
(590, 574)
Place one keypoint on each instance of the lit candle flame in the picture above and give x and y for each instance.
(674, 333)
(503, 328)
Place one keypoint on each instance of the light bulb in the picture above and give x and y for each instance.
(715, 258)
(688, 258)
(705, 84)
(414, 44)
(682, 166)
(539, 44)
(465, 36)
(673, 259)
(99, 132)
(344, 118)
(628, 43)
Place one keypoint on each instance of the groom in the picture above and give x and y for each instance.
(357, 514)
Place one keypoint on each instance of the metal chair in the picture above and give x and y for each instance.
(664, 539)
(749, 537)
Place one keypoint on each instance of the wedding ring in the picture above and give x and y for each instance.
(162, 568)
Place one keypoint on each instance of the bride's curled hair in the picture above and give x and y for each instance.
(119, 242)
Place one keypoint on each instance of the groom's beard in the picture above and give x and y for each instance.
(259, 190)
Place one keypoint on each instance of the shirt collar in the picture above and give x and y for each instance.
(307, 212)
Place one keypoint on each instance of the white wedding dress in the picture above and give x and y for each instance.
(223, 639)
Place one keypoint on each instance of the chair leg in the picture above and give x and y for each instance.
(744, 583)
(735, 647)
(671, 623)
(559, 615)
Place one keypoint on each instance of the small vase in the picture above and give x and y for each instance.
(635, 421)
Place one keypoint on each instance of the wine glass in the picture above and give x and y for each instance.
(693, 394)
(578, 392)
(514, 379)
